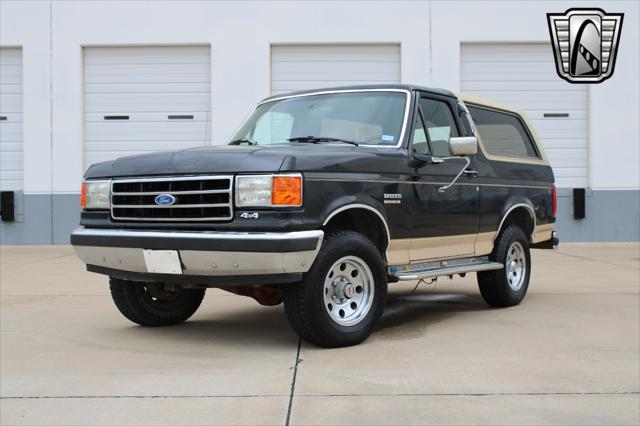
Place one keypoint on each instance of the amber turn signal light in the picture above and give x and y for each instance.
(286, 191)
(83, 195)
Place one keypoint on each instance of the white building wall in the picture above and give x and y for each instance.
(613, 104)
(52, 35)
(26, 25)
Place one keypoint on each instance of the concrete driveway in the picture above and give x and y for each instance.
(569, 354)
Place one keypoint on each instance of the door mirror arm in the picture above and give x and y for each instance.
(455, 179)
(419, 160)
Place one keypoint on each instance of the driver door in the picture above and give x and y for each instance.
(445, 224)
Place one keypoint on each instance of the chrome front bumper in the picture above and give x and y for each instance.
(204, 254)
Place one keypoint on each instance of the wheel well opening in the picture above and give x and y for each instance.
(362, 221)
(520, 216)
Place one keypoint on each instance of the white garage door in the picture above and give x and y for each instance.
(524, 75)
(145, 99)
(302, 67)
(11, 164)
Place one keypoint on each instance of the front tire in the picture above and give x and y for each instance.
(150, 305)
(342, 296)
(507, 286)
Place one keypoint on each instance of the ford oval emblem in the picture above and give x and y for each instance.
(165, 200)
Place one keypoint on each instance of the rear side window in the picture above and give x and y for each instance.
(502, 133)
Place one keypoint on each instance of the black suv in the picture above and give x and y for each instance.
(320, 200)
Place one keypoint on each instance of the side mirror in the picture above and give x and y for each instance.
(418, 160)
(467, 145)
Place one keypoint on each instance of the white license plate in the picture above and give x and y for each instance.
(162, 261)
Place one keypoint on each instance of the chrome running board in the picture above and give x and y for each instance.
(423, 271)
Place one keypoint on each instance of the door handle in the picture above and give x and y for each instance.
(471, 173)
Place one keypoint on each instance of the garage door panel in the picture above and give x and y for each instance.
(334, 71)
(147, 102)
(11, 135)
(148, 117)
(142, 69)
(151, 86)
(501, 52)
(564, 143)
(11, 160)
(11, 180)
(128, 146)
(533, 100)
(11, 89)
(539, 114)
(302, 67)
(524, 76)
(145, 131)
(533, 86)
(11, 170)
(137, 59)
(342, 52)
(11, 72)
(292, 86)
(11, 103)
(303, 85)
(520, 71)
(334, 67)
(174, 87)
(159, 77)
(560, 129)
(146, 54)
(11, 56)
(570, 177)
(564, 157)
(11, 131)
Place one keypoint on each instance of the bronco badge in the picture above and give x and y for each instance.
(585, 43)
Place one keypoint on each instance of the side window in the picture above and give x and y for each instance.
(502, 133)
(440, 125)
(420, 144)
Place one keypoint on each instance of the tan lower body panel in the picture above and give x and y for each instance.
(408, 250)
(405, 251)
(484, 243)
(542, 233)
(441, 247)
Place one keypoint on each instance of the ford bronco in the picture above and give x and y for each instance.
(319, 201)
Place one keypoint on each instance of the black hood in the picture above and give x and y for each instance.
(210, 159)
(246, 159)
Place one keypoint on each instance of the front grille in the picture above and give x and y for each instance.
(197, 198)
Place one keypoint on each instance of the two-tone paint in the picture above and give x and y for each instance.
(416, 221)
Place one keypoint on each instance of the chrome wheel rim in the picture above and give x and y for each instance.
(348, 291)
(516, 266)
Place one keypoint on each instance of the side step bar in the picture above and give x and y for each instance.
(440, 269)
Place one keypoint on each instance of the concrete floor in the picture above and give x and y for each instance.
(569, 354)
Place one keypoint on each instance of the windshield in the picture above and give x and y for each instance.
(367, 118)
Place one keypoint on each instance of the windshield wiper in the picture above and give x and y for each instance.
(241, 141)
(320, 139)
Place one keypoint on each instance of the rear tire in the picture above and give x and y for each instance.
(149, 305)
(507, 286)
(342, 296)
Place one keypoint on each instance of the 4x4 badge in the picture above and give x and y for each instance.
(585, 43)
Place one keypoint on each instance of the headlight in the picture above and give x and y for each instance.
(269, 190)
(96, 194)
